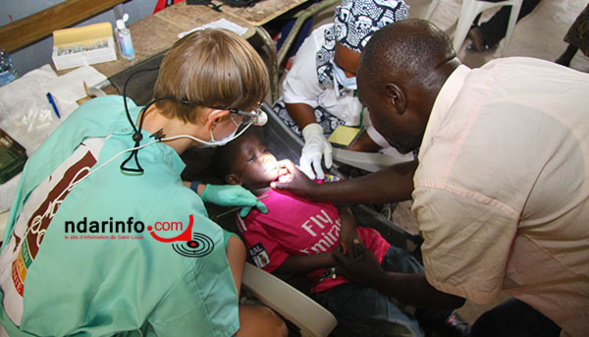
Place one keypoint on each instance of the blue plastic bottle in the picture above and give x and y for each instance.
(7, 70)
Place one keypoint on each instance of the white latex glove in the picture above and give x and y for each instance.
(316, 146)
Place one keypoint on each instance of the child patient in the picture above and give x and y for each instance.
(297, 236)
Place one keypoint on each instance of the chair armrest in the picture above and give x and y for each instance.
(308, 315)
(368, 161)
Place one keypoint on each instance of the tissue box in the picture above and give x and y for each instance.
(76, 47)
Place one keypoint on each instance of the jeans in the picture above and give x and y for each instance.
(514, 318)
(367, 312)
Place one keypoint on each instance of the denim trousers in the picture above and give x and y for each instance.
(367, 312)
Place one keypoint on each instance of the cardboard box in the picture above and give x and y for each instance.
(76, 47)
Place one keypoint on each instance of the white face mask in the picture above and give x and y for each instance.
(224, 141)
(346, 82)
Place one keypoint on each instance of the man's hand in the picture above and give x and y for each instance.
(348, 236)
(410, 288)
(363, 269)
(316, 147)
(294, 180)
(347, 239)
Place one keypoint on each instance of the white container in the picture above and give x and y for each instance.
(123, 35)
(76, 47)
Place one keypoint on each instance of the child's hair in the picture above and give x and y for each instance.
(223, 161)
(210, 68)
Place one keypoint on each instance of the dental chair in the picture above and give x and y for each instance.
(284, 144)
(290, 299)
(308, 317)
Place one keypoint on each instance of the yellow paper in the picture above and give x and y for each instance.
(82, 35)
(343, 135)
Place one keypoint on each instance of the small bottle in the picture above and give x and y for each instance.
(124, 40)
(7, 70)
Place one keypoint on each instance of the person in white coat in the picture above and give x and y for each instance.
(320, 89)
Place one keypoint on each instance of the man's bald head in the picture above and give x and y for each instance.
(409, 49)
(401, 72)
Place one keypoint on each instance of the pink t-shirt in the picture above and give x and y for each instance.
(295, 226)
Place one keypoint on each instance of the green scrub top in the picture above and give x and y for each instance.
(133, 280)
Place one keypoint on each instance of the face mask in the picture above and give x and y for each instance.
(212, 142)
(224, 141)
(340, 76)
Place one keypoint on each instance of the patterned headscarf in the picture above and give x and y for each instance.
(355, 22)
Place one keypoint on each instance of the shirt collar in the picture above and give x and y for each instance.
(444, 101)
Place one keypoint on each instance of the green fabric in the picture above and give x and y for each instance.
(233, 195)
(106, 287)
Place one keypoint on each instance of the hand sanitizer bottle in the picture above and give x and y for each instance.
(123, 35)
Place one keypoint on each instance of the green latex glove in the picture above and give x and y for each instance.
(232, 195)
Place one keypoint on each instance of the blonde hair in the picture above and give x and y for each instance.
(210, 68)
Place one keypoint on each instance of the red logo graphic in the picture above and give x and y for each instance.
(187, 244)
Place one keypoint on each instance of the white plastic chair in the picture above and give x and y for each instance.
(469, 11)
(311, 318)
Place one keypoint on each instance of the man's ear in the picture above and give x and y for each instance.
(233, 179)
(396, 97)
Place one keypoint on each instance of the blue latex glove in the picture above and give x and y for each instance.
(232, 195)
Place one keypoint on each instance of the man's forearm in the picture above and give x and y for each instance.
(392, 184)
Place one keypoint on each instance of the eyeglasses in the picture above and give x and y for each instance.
(257, 117)
(248, 117)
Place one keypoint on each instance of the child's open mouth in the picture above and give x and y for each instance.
(283, 175)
